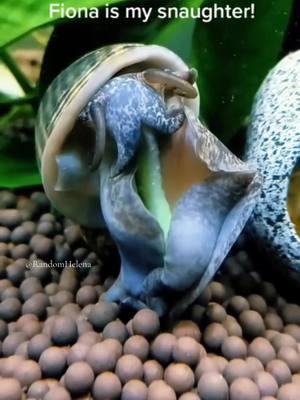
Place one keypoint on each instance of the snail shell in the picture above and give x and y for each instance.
(273, 147)
(57, 125)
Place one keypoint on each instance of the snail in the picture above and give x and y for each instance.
(273, 147)
(99, 123)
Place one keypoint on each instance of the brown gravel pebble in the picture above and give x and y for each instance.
(254, 364)
(102, 313)
(146, 323)
(283, 340)
(53, 362)
(236, 368)
(159, 390)
(215, 312)
(266, 383)
(79, 378)
(252, 323)
(153, 371)
(86, 295)
(57, 392)
(244, 389)
(206, 364)
(186, 350)
(101, 358)
(293, 330)
(134, 390)
(11, 342)
(162, 347)
(291, 314)
(212, 386)
(115, 330)
(218, 292)
(129, 367)
(237, 304)
(106, 386)
(291, 357)
(261, 349)
(138, 346)
(187, 328)
(280, 371)
(10, 389)
(28, 371)
(78, 352)
(38, 389)
(288, 391)
(234, 347)
(189, 396)
(232, 327)
(64, 331)
(180, 377)
(214, 335)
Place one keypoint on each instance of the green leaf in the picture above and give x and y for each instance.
(16, 19)
(233, 56)
(17, 163)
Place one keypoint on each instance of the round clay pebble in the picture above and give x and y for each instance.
(189, 396)
(10, 309)
(38, 389)
(244, 389)
(291, 357)
(10, 389)
(261, 349)
(232, 327)
(215, 312)
(220, 362)
(280, 371)
(106, 386)
(29, 287)
(21, 350)
(138, 346)
(162, 347)
(254, 364)
(53, 362)
(90, 338)
(236, 368)
(10, 292)
(3, 330)
(146, 323)
(212, 386)
(101, 358)
(37, 344)
(252, 323)
(129, 367)
(36, 304)
(283, 340)
(78, 352)
(134, 390)
(11, 342)
(102, 313)
(236, 305)
(270, 333)
(291, 314)
(15, 273)
(257, 303)
(7, 199)
(115, 330)
(180, 377)
(293, 330)
(289, 391)
(273, 321)
(57, 392)
(61, 298)
(234, 347)
(79, 378)
(206, 364)
(5, 249)
(64, 331)
(28, 372)
(159, 390)
(218, 292)
(153, 371)
(187, 328)
(186, 350)
(86, 295)
(10, 218)
(214, 335)
(43, 247)
(266, 383)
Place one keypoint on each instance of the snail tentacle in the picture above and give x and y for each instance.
(171, 81)
(98, 118)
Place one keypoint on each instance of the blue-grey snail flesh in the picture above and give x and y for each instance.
(273, 147)
(206, 220)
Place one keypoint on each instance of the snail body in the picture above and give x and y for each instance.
(94, 121)
(273, 147)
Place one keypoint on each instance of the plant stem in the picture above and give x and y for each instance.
(30, 99)
(15, 70)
